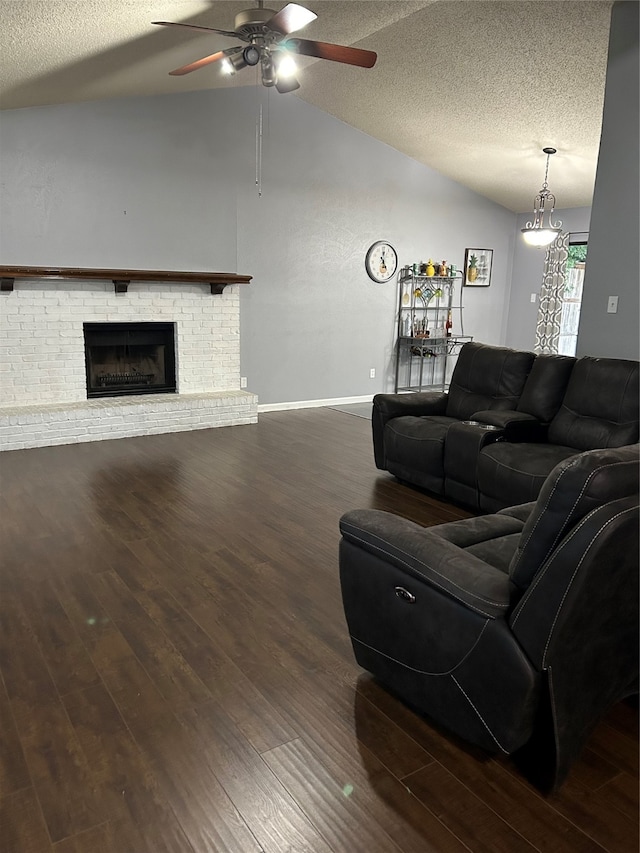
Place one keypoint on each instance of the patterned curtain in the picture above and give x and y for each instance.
(551, 295)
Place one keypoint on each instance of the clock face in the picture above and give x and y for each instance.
(381, 261)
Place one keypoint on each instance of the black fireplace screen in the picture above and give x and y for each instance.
(129, 358)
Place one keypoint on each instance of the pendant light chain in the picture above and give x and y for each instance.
(538, 232)
(545, 185)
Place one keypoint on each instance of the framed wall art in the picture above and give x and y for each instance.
(477, 267)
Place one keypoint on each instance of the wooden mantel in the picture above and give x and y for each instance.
(120, 278)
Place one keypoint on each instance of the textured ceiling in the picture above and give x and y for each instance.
(473, 89)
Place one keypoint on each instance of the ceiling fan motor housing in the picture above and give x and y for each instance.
(252, 22)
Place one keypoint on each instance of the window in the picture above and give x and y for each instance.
(572, 298)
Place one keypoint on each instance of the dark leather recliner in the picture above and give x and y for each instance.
(409, 430)
(516, 631)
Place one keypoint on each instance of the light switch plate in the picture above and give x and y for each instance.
(612, 305)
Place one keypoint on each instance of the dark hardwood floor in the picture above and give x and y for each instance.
(177, 676)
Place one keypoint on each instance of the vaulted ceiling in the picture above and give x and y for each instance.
(473, 89)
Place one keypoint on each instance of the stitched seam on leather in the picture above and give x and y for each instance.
(573, 425)
(566, 592)
(542, 572)
(431, 580)
(554, 713)
(622, 396)
(423, 671)
(545, 567)
(504, 361)
(499, 464)
(569, 513)
(473, 359)
(555, 486)
(494, 738)
(598, 418)
(414, 437)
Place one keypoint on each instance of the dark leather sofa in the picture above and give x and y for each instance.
(508, 418)
(517, 630)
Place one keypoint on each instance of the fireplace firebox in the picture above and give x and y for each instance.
(129, 358)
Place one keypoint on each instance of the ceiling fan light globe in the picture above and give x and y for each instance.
(287, 84)
(286, 66)
(251, 55)
(238, 61)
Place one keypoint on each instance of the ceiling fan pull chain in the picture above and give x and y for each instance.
(259, 151)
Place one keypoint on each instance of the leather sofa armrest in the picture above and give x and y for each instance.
(516, 426)
(417, 404)
(431, 559)
(388, 406)
(463, 444)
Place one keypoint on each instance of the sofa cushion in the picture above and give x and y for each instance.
(600, 408)
(414, 449)
(546, 385)
(496, 552)
(520, 511)
(510, 474)
(486, 377)
(575, 487)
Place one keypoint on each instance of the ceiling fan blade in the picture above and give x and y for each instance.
(291, 18)
(196, 27)
(334, 52)
(206, 60)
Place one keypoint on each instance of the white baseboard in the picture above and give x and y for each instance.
(312, 404)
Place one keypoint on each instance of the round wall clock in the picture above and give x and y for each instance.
(381, 261)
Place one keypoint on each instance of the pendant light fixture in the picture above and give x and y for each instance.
(539, 232)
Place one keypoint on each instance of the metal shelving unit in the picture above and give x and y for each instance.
(426, 349)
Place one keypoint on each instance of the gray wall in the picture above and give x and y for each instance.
(169, 182)
(128, 183)
(528, 267)
(612, 260)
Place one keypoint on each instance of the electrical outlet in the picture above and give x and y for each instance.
(372, 373)
(533, 297)
(612, 305)
(243, 381)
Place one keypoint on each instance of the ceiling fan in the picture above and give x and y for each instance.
(266, 34)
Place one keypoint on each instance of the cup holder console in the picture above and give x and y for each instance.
(488, 427)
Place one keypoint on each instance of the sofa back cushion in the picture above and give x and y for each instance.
(574, 488)
(600, 408)
(487, 377)
(546, 386)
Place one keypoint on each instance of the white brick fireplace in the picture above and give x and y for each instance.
(43, 388)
